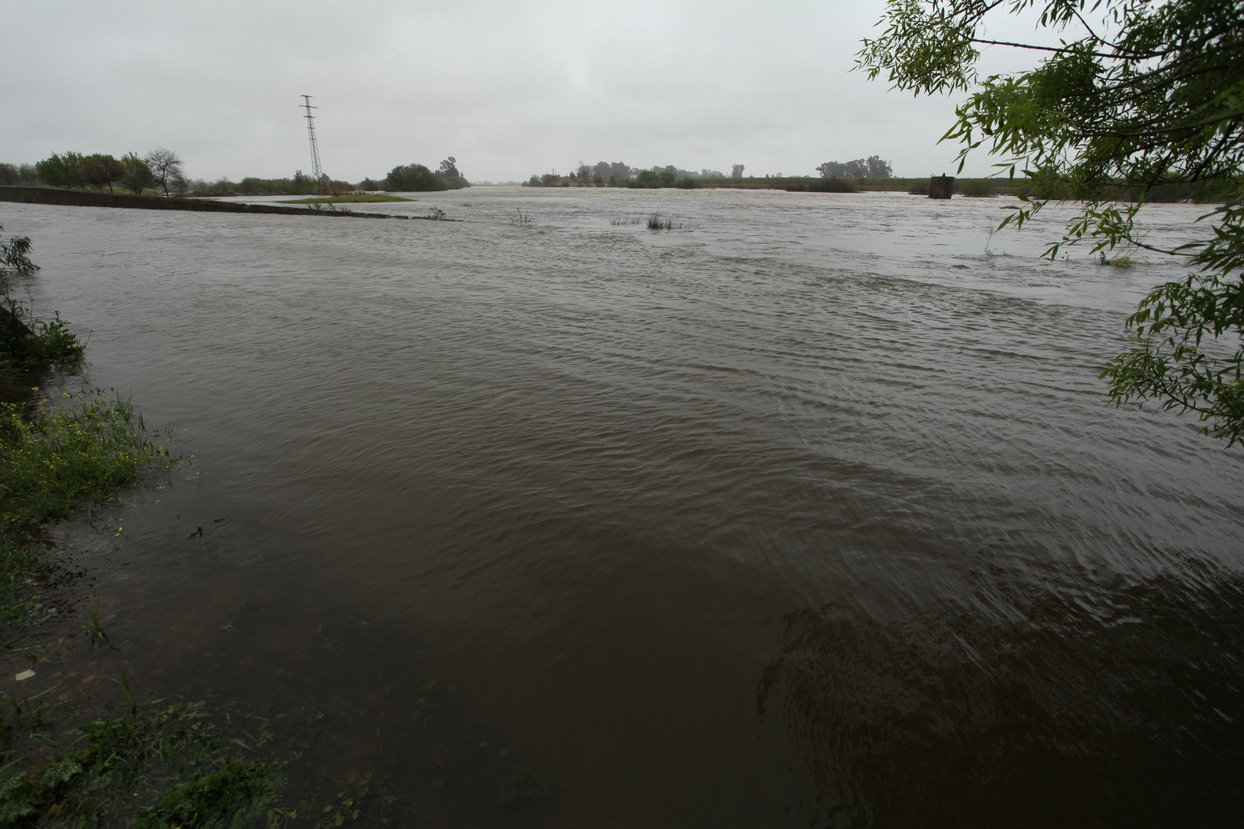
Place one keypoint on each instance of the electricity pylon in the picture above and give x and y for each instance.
(316, 171)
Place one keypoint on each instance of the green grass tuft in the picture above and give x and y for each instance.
(60, 456)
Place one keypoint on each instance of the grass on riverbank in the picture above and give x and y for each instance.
(55, 459)
(58, 457)
(163, 767)
(354, 198)
(147, 769)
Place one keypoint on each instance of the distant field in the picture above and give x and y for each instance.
(357, 198)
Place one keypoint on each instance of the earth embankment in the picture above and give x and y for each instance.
(87, 198)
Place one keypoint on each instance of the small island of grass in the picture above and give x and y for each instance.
(352, 198)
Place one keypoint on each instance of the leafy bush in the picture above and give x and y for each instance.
(41, 343)
(26, 342)
(646, 179)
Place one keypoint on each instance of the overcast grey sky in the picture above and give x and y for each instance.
(508, 88)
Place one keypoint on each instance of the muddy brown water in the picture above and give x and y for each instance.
(812, 512)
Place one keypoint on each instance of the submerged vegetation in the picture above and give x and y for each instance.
(56, 459)
(654, 221)
(658, 222)
(164, 768)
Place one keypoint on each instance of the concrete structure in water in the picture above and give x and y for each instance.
(940, 187)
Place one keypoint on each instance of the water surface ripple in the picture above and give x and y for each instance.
(813, 511)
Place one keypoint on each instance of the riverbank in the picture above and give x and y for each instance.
(87, 198)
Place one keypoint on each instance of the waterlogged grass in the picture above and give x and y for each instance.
(56, 458)
(355, 198)
(168, 767)
(69, 454)
(179, 765)
(157, 765)
(654, 221)
(165, 768)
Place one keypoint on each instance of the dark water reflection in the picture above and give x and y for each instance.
(614, 486)
(1022, 705)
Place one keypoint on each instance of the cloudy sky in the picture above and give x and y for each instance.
(508, 88)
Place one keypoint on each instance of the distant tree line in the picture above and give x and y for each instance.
(871, 167)
(163, 170)
(620, 174)
(159, 168)
(19, 174)
(300, 184)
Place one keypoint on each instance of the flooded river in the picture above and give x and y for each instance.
(809, 511)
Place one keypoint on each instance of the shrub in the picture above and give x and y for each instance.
(413, 178)
(49, 342)
(26, 342)
(646, 179)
